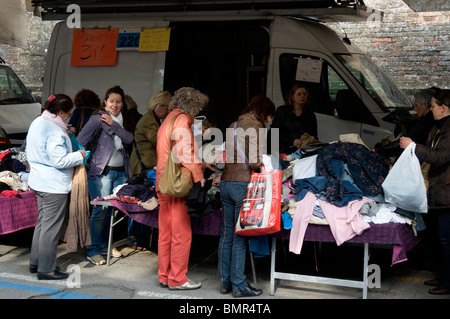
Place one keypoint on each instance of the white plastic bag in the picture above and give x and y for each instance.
(404, 185)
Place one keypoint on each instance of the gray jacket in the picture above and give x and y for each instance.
(105, 144)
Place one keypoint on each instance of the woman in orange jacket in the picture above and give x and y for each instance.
(175, 234)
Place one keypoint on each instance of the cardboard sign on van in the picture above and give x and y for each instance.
(94, 47)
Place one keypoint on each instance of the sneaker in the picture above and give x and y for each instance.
(97, 260)
(114, 253)
(249, 291)
(225, 291)
(163, 284)
(188, 285)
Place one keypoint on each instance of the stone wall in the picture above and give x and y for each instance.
(29, 64)
(411, 47)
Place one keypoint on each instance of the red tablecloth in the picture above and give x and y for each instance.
(17, 212)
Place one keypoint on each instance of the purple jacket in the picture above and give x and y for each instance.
(105, 144)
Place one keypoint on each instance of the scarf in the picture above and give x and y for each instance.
(117, 140)
(58, 121)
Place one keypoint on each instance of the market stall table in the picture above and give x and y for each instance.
(400, 236)
(18, 212)
(206, 225)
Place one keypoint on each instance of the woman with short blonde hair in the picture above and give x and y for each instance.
(143, 156)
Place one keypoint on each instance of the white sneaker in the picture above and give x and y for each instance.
(97, 260)
(189, 285)
(116, 253)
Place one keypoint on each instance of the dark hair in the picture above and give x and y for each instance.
(442, 97)
(289, 94)
(86, 98)
(128, 121)
(117, 90)
(261, 106)
(58, 102)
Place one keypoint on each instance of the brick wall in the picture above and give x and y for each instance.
(411, 47)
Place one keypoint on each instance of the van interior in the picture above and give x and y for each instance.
(231, 76)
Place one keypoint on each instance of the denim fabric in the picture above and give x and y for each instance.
(367, 169)
(102, 186)
(232, 247)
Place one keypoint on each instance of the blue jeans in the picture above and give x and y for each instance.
(102, 186)
(232, 247)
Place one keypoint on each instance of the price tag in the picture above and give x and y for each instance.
(128, 40)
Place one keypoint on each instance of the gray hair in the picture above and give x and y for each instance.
(188, 100)
(425, 95)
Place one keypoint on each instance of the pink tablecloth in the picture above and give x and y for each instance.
(400, 236)
(206, 225)
(17, 212)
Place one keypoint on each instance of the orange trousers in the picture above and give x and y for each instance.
(174, 242)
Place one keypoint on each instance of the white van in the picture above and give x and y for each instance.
(18, 108)
(234, 58)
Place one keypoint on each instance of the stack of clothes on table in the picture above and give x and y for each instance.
(340, 186)
(13, 172)
(140, 190)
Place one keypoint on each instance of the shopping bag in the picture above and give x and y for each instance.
(260, 212)
(404, 185)
(176, 180)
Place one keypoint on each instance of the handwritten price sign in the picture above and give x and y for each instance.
(309, 70)
(94, 47)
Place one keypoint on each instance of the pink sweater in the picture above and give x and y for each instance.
(345, 222)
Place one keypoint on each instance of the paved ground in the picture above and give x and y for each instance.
(134, 276)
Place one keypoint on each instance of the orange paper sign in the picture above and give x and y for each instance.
(94, 47)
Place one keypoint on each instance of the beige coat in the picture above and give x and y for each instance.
(236, 170)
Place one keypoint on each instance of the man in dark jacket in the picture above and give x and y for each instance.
(418, 131)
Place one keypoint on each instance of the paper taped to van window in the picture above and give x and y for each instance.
(308, 70)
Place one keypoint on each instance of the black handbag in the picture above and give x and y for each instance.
(92, 144)
(312, 149)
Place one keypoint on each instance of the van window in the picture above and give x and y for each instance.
(378, 85)
(335, 83)
(12, 90)
(329, 93)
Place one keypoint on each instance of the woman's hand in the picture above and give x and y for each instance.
(211, 166)
(83, 152)
(70, 129)
(107, 119)
(202, 182)
(404, 142)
